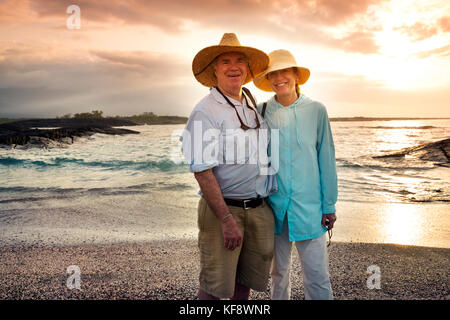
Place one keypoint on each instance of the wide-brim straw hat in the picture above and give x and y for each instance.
(279, 60)
(202, 65)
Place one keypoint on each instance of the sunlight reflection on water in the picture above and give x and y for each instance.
(400, 137)
(399, 223)
(403, 224)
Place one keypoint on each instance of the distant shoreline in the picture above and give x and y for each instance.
(181, 120)
(380, 119)
(131, 121)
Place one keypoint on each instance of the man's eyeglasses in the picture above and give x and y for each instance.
(243, 125)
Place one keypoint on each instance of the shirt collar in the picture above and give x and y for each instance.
(220, 99)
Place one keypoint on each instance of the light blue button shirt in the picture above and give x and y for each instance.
(213, 139)
(307, 180)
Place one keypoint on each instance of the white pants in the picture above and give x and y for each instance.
(314, 259)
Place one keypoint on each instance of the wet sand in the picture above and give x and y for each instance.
(120, 215)
(169, 270)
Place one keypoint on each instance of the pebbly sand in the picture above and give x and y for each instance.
(143, 246)
(169, 270)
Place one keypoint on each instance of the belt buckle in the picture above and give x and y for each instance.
(245, 204)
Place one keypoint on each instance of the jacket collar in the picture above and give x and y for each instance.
(297, 103)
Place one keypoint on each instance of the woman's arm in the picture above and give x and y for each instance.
(327, 166)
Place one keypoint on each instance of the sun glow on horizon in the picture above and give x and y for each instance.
(407, 37)
(393, 57)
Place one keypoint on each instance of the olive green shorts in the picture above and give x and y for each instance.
(248, 264)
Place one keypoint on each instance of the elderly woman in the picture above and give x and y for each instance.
(304, 206)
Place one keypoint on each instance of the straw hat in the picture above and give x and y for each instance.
(202, 64)
(278, 60)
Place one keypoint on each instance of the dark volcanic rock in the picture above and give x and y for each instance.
(70, 123)
(438, 151)
(23, 132)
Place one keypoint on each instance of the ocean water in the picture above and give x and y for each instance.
(108, 183)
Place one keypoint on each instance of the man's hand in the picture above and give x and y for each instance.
(232, 235)
(331, 218)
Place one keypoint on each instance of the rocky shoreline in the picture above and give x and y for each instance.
(57, 132)
(437, 152)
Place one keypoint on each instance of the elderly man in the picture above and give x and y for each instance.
(235, 224)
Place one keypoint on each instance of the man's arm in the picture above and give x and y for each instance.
(232, 235)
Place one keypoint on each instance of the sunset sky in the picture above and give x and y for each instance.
(367, 58)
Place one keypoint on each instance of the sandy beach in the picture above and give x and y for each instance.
(169, 270)
(143, 246)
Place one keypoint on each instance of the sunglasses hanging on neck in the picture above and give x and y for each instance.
(243, 125)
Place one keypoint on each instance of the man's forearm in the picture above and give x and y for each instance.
(212, 193)
(232, 235)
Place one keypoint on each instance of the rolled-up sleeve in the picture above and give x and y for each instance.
(327, 163)
(200, 142)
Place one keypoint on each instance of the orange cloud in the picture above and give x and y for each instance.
(442, 51)
(362, 42)
(15, 12)
(419, 31)
(334, 12)
(150, 65)
(330, 12)
(444, 23)
(306, 19)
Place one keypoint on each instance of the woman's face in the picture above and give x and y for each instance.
(283, 81)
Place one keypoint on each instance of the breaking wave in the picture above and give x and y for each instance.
(161, 165)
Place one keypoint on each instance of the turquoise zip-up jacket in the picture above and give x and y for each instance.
(306, 177)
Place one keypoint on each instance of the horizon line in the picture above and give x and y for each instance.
(339, 117)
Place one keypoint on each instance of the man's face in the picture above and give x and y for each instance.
(231, 71)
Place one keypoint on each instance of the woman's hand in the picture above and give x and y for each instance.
(328, 220)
